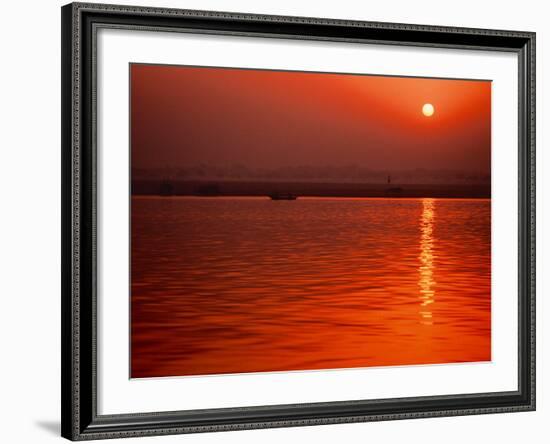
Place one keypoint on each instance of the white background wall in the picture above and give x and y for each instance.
(30, 220)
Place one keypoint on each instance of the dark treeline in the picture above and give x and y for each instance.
(305, 173)
(301, 189)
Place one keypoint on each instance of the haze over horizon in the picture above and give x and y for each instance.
(307, 173)
(283, 124)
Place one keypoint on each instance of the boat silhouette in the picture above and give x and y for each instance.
(393, 190)
(166, 188)
(209, 189)
(283, 196)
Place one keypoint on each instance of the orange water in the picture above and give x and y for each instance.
(232, 285)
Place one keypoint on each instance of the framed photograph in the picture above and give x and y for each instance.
(281, 221)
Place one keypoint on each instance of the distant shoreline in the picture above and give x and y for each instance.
(305, 189)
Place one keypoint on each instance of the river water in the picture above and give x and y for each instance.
(234, 285)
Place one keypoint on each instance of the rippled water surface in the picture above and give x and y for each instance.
(232, 285)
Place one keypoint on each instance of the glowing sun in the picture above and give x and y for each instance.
(428, 109)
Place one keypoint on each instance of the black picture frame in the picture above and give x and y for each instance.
(80, 420)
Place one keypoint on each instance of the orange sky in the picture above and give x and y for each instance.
(184, 116)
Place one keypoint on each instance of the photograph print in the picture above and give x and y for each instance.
(297, 221)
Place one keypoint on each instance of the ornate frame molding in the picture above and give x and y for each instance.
(80, 420)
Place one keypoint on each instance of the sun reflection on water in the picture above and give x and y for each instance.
(426, 280)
